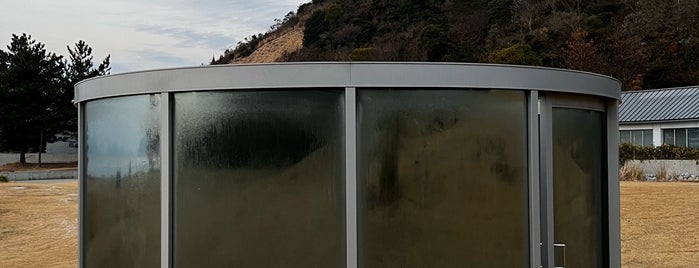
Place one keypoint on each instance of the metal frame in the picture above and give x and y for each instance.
(348, 74)
(533, 175)
(546, 181)
(81, 184)
(545, 89)
(351, 176)
(613, 202)
(610, 109)
(165, 179)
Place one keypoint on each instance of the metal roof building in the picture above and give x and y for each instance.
(659, 116)
(672, 104)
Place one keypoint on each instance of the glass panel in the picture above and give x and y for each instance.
(259, 179)
(681, 137)
(578, 169)
(442, 178)
(693, 137)
(637, 137)
(669, 136)
(624, 136)
(122, 186)
(648, 137)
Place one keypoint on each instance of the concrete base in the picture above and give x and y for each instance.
(671, 169)
(40, 175)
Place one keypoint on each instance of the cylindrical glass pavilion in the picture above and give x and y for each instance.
(349, 165)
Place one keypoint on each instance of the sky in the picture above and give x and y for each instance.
(141, 34)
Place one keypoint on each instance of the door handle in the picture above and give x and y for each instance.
(559, 255)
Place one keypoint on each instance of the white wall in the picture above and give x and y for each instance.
(658, 127)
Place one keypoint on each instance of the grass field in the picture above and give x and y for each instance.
(38, 224)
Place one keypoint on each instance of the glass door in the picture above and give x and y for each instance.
(574, 188)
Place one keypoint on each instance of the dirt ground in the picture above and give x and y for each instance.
(38, 224)
(659, 224)
(35, 166)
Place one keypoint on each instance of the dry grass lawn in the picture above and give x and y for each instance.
(659, 224)
(38, 224)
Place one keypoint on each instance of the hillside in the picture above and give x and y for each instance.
(644, 43)
(275, 49)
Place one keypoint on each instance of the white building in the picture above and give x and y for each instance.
(660, 116)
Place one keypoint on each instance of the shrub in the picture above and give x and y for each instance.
(363, 54)
(668, 152)
(630, 172)
(517, 54)
(3, 179)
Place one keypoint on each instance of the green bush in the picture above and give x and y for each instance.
(629, 151)
(517, 54)
(363, 54)
(3, 179)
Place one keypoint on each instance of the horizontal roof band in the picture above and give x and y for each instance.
(347, 74)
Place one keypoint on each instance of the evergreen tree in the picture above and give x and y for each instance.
(31, 82)
(79, 67)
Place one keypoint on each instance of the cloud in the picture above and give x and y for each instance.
(143, 34)
(189, 38)
(161, 57)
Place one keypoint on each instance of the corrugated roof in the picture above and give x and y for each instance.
(669, 104)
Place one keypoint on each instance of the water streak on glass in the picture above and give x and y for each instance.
(122, 187)
(259, 179)
(442, 178)
(578, 169)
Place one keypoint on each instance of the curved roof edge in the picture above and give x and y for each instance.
(347, 74)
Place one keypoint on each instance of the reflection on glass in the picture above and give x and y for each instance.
(669, 136)
(693, 137)
(647, 137)
(122, 187)
(442, 178)
(681, 137)
(624, 136)
(578, 167)
(637, 137)
(259, 179)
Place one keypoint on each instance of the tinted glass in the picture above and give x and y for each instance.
(259, 179)
(648, 137)
(442, 178)
(122, 184)
(693, 137)
(624, 136)
(669, 136)
(578, 169)
(681, 137)
(637, 137)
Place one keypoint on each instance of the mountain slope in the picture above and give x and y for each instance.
(275, 49)
(644, 43)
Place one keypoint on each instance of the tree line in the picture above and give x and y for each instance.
(36, 93)
(644, 43)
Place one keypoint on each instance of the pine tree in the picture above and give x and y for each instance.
(79, 67)
(31, 82)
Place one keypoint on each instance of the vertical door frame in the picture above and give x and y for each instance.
(533, 175)
(610, 204)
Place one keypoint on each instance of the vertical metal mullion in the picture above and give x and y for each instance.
(546, 182)
(351, 175)
(165, 176)
(533, 160)
(614, 231)
(81, 184)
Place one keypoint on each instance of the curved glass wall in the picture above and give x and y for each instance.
(356, 165)
(578, 175)
(259, 179)
(121, 189)
(441, 184)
